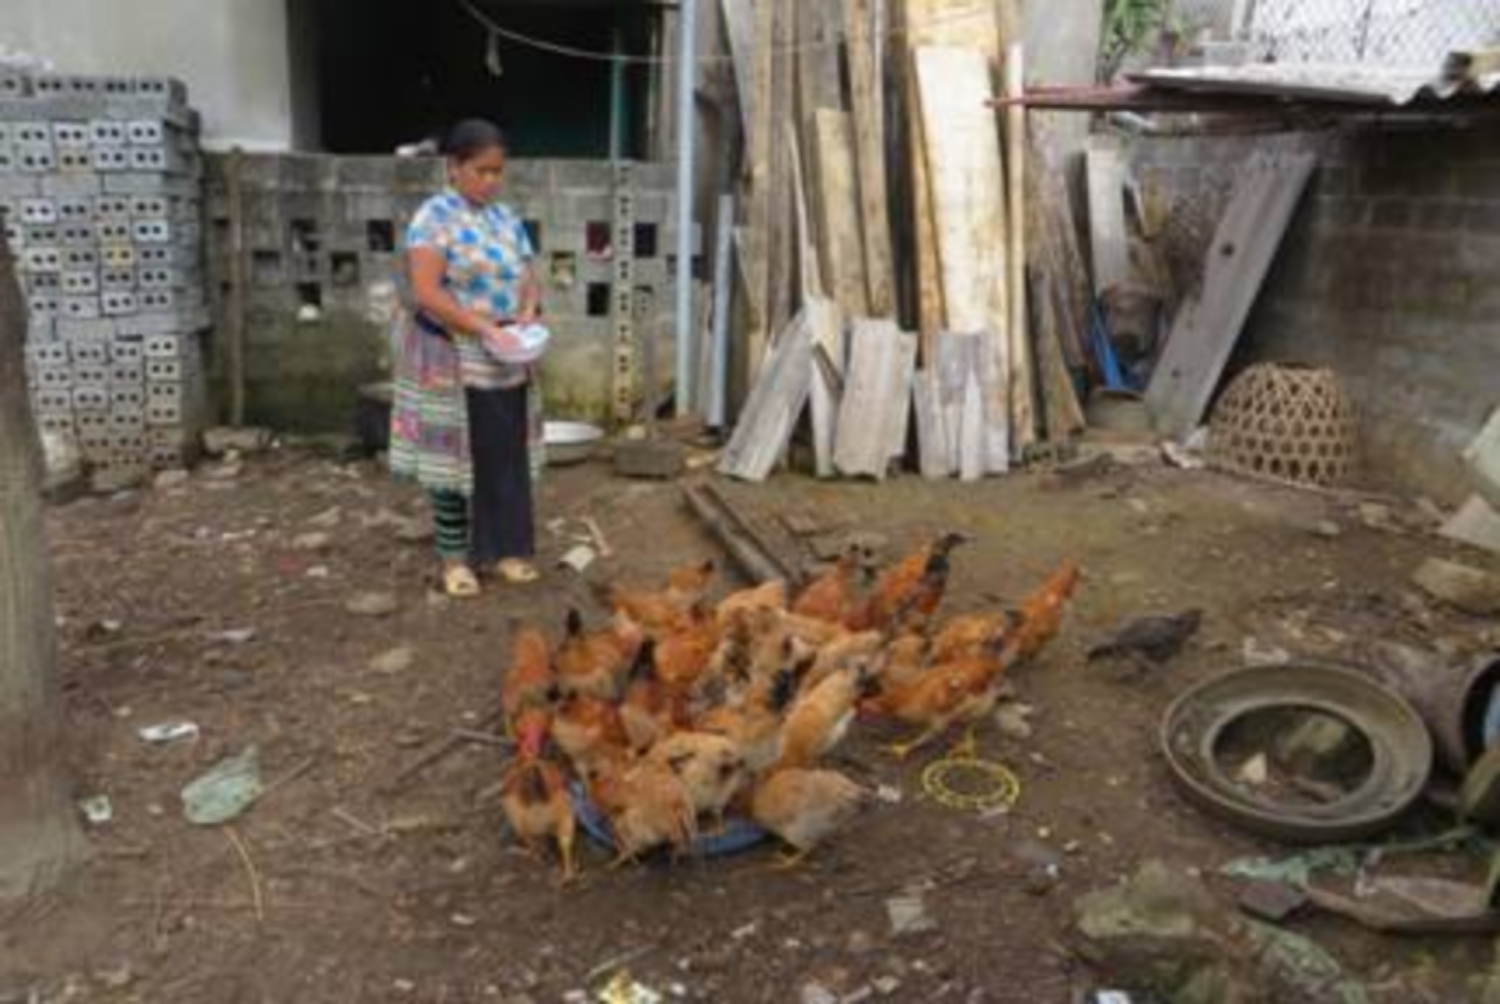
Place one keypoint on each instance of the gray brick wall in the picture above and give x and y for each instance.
(324, 231)
(1390, 275)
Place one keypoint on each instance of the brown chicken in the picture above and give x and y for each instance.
(710, 766)
(1041, 615)
(852, 651)
(910, 591)
(647, 805)
(682, 657)
(965, 636)
(534, 796)
(962, 691)
(658, 611)
(805, 807)
(593, 663)
(755, 725)
(649, 710)
(589, 732)
(747, 602)
(528, 690)
(820, 717)
(903, 660)
(831, 597)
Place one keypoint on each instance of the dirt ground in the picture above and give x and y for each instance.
(346, 891)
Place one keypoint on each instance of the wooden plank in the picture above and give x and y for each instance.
(954, 357)
(1108, 239)
(904, 369)
(783, 255)
(1062, 413)
(933, 454)
(967, 177)
(867, 100)
(1055, 237)
(841, 247)
(972, 428)
(755, 259)
(873, 391)
(1208, 325)
(1018, 329)
(827, 325)
(775, 403)
(739, 25)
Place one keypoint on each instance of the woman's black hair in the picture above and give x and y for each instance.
(472, 137)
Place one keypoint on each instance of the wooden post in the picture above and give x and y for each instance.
(866, 98)
(1022, 384)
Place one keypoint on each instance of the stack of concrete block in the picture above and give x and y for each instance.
(100, 181)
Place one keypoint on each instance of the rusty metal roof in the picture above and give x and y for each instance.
(1363, 84)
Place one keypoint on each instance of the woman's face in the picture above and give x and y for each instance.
(478, 178)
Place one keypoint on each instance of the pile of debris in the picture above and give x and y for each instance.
(680, 711)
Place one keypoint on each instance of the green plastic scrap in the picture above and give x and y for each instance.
(1307, 966)
(1298, 869)
(226, 791)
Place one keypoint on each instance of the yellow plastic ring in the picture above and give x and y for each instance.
(997, 785)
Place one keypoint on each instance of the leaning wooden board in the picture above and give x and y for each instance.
(875, 410)
(775, 403)
(967, 177)
(1207, 327)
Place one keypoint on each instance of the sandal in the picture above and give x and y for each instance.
(517, 572)
(460, 583)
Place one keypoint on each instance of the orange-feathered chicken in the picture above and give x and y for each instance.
(965, 636)
(755, 725)
(593, 663)
(903, 660)
(658, 611)
(589, 731)
(820, 717)
(909, 592)
(962, 691)
(647, 806)
(649, 710)
(534, 796)
(830, 597)
(1041, 615)
(683, 656)
(711, 768)
(528, 690)
(806, 807)
(852, 651)
(749, 602)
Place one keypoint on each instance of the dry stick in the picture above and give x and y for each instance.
(447, 748)
(256, 894)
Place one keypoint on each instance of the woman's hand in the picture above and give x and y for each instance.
(500, 335)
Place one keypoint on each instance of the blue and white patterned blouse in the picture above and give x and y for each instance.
(487, 249)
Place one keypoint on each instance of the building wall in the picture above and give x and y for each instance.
(324, 271)
(232, 54)
(1390, 275)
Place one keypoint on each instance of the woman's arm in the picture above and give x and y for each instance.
(427, 266)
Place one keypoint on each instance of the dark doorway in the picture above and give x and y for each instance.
(394, 72)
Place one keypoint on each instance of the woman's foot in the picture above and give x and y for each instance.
(517, 572)
(459, 581)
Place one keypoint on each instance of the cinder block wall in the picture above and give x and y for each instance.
(323, 249)
(1390, 275)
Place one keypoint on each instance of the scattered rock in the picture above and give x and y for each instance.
(227, 471)
(317, 541)
(397, 660)
(816, 993)
(219, 441)
(1255, 771)
(116, 977)
(113, 480)
(168, 480)
(1162, 932)
(1462, 586)
(328, 519)
(908, 915)
(886, 986)
(1012, 720)
(372, 604)
(463, 920)
(413, 531)
(236, 636)
(1258, 653)
(1327, 528)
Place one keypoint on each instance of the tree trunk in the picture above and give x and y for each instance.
(39, 834)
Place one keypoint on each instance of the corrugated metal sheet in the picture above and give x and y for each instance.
(1376, 86)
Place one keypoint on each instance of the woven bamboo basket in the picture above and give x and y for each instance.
(1290, 424)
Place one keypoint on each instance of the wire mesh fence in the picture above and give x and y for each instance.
(1407, 33)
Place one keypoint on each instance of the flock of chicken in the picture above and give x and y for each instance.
(680, 711)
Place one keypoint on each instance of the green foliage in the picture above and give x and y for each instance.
(1130, 25)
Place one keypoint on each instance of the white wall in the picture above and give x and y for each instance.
(233, 54)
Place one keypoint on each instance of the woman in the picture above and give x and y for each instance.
(460, 422)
